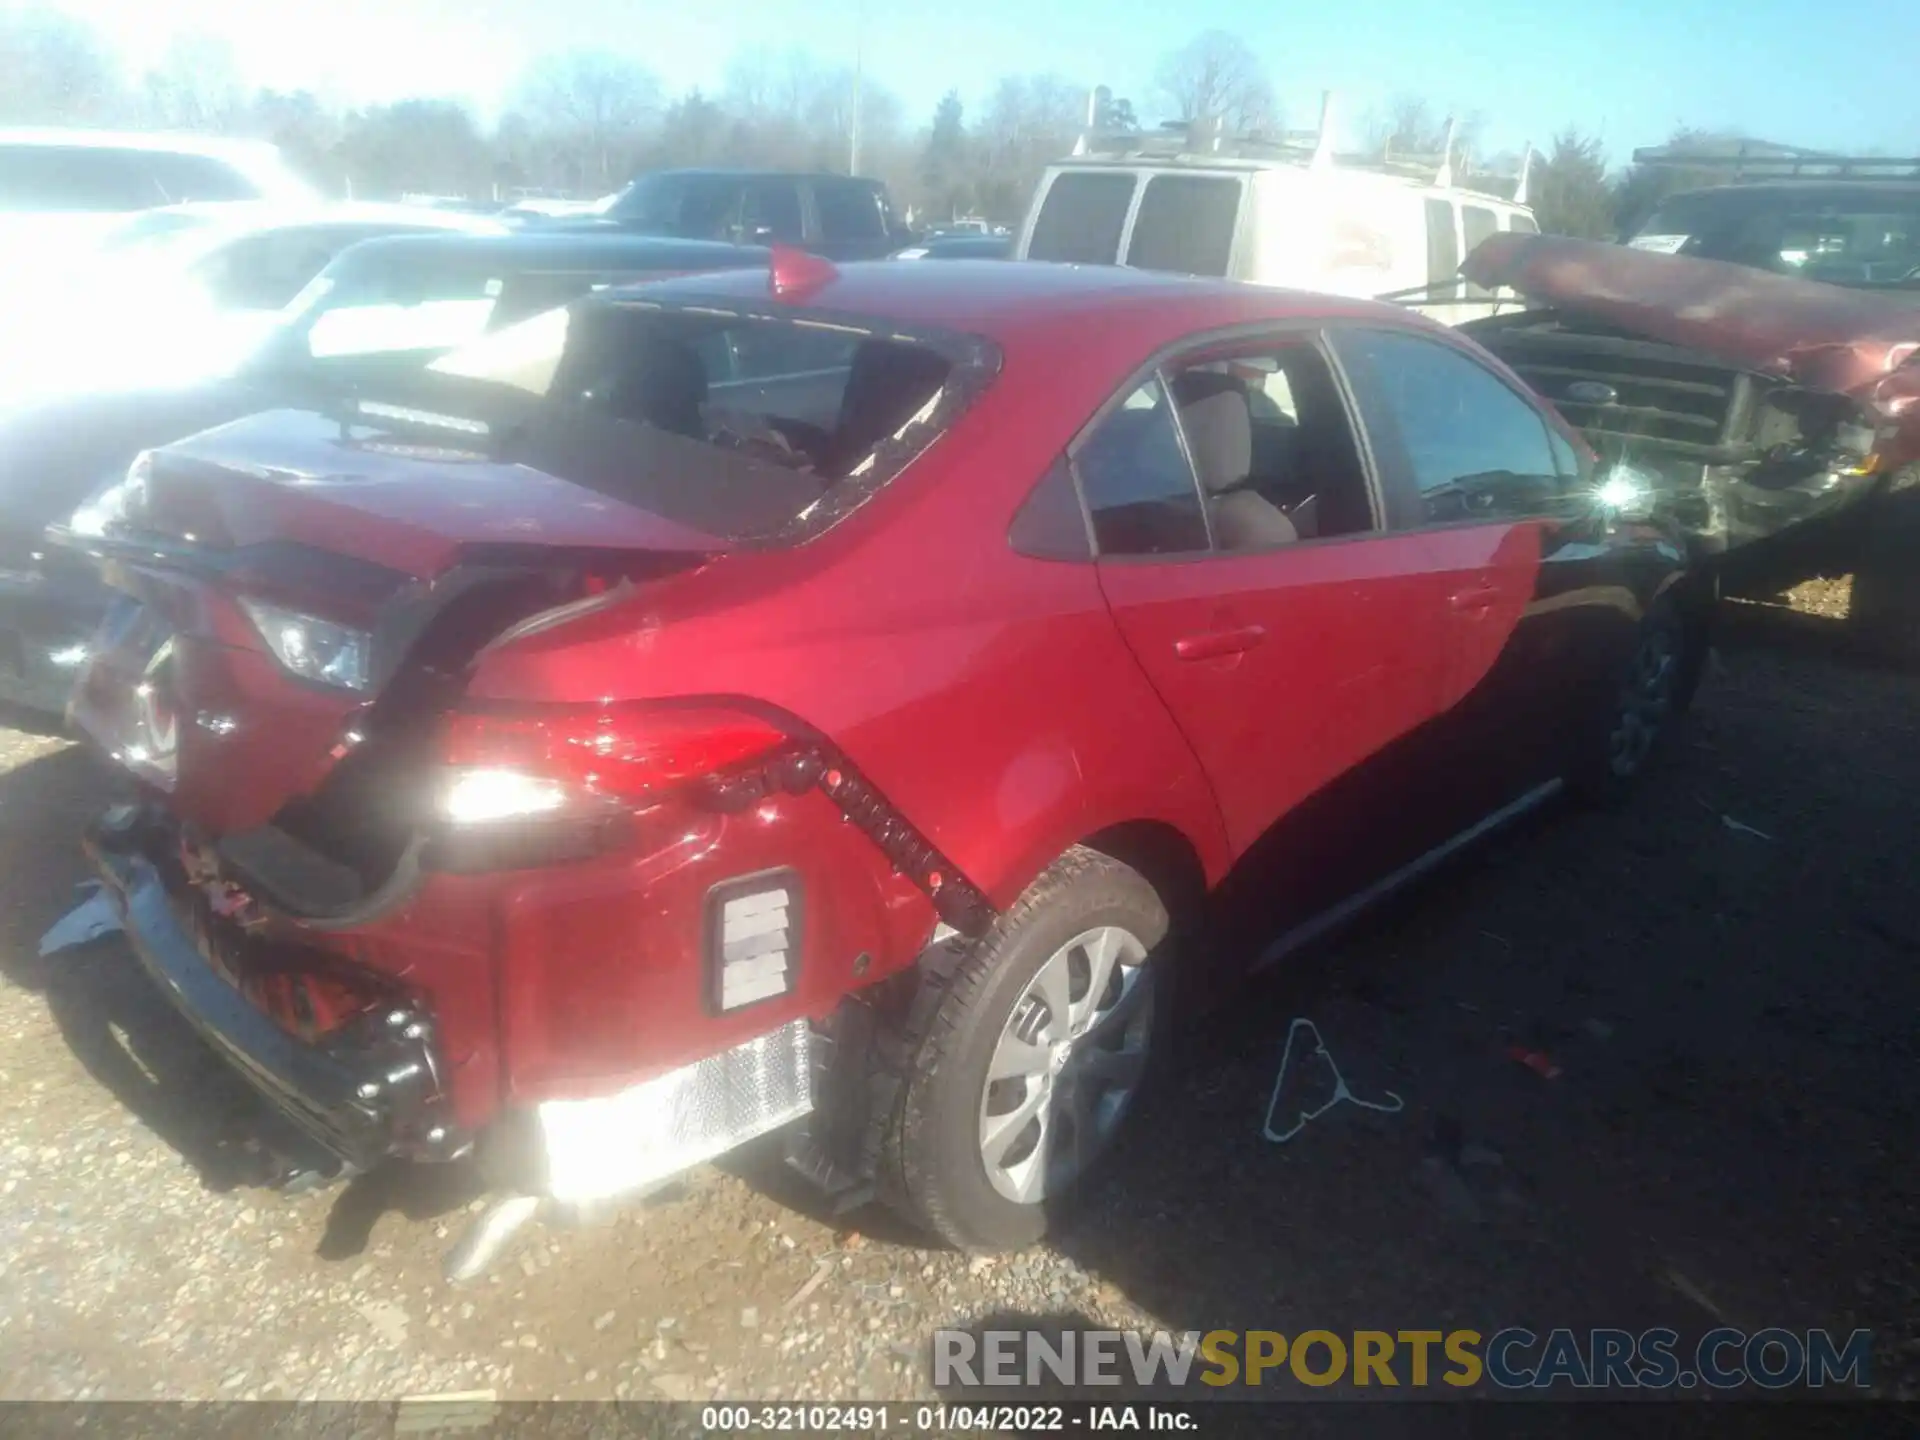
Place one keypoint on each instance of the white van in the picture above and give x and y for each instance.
(1273, 213)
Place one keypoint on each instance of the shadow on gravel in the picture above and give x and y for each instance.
(131, 1040)
(30, 722)
(1870, 557)
(117, 1025)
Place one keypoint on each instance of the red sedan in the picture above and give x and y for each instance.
(745, 702)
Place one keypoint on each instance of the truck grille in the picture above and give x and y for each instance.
(1615, 387)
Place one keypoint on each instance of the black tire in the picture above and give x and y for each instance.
(933, 1168)
(1609, 766)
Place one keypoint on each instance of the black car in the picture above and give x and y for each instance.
(842, 217)
(958, 245)
(381, 306)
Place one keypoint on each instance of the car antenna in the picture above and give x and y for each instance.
(793, 274)
(1323, 142)
(1443, 177)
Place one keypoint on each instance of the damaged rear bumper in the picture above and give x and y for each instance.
(369, 1092)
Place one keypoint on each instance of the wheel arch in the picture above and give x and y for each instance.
(1163, 855)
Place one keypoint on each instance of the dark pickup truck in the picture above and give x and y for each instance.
(842, 217)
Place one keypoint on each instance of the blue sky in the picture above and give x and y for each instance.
(1837, 74)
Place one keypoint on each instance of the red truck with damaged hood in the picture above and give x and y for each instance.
(1749, 401)
(811, 700)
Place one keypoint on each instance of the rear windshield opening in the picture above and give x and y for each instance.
(1847, 237)
(739, 424)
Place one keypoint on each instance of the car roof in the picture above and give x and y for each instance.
(166, 142)
(729, 172)
(533, 249)
(1006, 299)
(250, 215)
(1277, 165)
(259, 161)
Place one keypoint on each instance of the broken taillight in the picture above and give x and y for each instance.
(524, 763)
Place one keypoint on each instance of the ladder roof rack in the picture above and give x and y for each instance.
(1758, 160)
(1202, 141)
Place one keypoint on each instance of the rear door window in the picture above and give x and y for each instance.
(1139, 487)
(1443, 247)
(1186, 223)
(101, 179)
(1082, 217)
(75, 178)
(1522, 225)
(1478, 223)
(182, 178)
(771, 211)
(849, 212)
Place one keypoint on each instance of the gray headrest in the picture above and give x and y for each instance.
(1219, 426)
(662, 383)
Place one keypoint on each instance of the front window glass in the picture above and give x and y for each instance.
(1478, 450)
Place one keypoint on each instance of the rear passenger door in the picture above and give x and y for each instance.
(1303, 671)
(849, 222)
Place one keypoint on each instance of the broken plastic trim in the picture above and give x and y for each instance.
(816, 765)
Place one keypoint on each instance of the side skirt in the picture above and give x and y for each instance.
(1353, 905)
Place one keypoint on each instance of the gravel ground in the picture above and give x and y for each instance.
(1723, 974)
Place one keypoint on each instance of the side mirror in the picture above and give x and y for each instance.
(1627, 492)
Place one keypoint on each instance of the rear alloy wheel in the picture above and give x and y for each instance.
(1028, 1059)
(1071, 1056)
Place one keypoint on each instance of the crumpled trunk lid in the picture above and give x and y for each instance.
(430, 549)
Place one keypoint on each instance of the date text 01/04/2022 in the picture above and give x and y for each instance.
(944, 1418)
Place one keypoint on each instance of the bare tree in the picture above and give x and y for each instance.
(196, 85)
(306, 130)
(1029, 120)
(1217, 76)
(57, 70)
(415, 145)
(1414, 125)
(596, 103)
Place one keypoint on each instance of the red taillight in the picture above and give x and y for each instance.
(624, 752)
